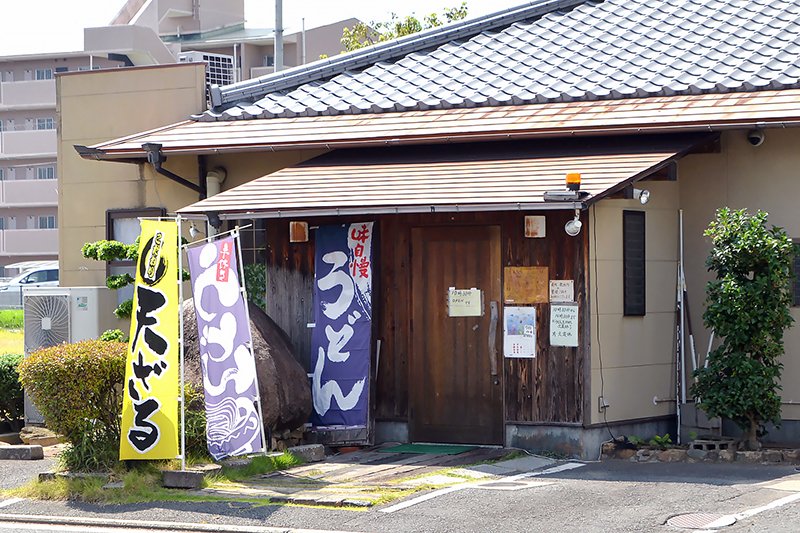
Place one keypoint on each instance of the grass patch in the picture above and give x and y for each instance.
(261, 464)
(143, 484)
(12, 341)
(11, 319)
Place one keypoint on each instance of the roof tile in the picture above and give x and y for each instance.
(599, 49)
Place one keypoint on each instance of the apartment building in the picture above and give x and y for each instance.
(142, 33)
(28, 169)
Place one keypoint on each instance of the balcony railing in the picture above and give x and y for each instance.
(28, 142)
(28, 193)
(32, 93)
(28, 242)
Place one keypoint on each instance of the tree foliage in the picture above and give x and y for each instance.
(362, 35)
(747, 306)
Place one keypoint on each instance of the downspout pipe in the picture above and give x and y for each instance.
(155, 157)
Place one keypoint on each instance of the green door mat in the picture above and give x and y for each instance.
(442, 449)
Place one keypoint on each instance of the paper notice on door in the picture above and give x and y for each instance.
(464, 302)
(564, 324)
(519, 331)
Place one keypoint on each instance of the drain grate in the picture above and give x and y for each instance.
(700, 520)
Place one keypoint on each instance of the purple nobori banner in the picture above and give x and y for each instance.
(340, 342)
(229, 372)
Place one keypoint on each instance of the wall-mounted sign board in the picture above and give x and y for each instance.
(562, 290)
(519, 331)
(464, 302)
(525, 285)
(564, 324)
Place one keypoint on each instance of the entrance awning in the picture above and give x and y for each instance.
(503, 177)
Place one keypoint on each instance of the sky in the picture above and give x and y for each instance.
(36, 26)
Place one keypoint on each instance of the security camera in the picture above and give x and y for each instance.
(755, 137)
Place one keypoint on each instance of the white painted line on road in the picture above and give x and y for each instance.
(12, 501)
(554, 470)
(448, 490)
(725, 520)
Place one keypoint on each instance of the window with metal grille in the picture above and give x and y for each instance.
(46, 173)
(47, 222)
(44, 123)
(633, 252)
(44, 74)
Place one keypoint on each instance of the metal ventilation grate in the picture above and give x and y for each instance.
(46, 321)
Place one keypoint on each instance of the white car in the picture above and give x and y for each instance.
(37, 277)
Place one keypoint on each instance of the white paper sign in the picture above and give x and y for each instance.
(519, 331)
(564, 325)
(464, 302)
(562, 290)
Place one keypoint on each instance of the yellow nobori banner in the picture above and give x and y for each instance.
(150, 401)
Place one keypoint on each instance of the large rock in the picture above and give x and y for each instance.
(282, 382)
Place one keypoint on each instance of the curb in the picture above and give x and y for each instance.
(145, 525)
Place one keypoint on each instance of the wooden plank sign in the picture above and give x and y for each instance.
(525, 285)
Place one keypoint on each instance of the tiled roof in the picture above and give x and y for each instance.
(598, 50)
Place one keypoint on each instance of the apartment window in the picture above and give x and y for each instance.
(44, 123)
(2, 127)
(47, 222)
(123, 225)
(62, 69)
(633, 252)
(46, 173)
(2, 223)
(44, 74)
(2, 174)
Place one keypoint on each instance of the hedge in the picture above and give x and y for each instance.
(77, 387)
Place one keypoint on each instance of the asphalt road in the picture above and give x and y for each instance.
(599, 497)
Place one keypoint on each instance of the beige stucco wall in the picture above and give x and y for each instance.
(766, 177)
(637, 352)
(102, 105)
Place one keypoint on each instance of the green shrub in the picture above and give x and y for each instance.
(111, 335)
(11, 319)
(11, 400)
(78, 388)
(255, 281)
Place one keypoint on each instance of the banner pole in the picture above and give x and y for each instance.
(180, 342)
(243, 288)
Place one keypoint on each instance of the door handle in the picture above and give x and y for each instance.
(493, 316)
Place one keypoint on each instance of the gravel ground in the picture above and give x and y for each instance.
(16, 473)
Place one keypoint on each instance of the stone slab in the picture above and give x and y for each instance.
(792, 485)
(526, 464)
(187, 479)
(310, 453)
(21, 452)
(437, 479)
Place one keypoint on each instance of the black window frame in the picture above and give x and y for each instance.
(634, 263)
(796, 274)
(112, 214)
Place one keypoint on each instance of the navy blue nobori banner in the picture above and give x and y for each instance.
(341, 340)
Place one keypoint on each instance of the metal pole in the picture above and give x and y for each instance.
(243, 289)
(278, 35)
(180, 342)
(303, 39)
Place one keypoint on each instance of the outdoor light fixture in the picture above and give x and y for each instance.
(193, 231)
(573, 227)
(643, 195)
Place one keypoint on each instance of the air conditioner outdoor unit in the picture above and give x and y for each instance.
(219, 67)
(54, 315)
